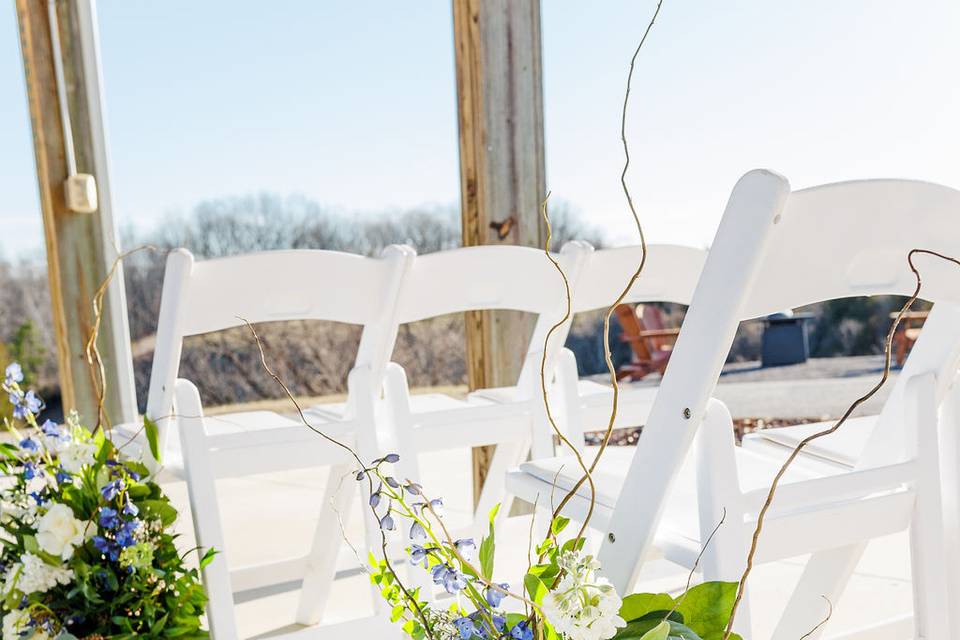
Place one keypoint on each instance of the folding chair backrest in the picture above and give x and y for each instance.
(490, 278)
(212, 295)
(670, 274)
(775, 250)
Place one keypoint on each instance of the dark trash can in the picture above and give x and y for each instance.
(785, 339)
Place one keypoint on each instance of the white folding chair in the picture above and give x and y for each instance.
(774, 250)
(474, 279)
(844, 448)
(670, 275)
(212, 295)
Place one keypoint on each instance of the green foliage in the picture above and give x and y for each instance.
(701, 613)
(74, 509)
(27, 348)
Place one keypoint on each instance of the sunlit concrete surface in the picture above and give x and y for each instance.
(271, 517)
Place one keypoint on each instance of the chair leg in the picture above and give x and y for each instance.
(507, 456)
(322, 559)
(204, 507)
(823, 580)
(927, 544)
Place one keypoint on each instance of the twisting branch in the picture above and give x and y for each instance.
(98, 374)
(626, 290)
(888, 347)
(825, 620)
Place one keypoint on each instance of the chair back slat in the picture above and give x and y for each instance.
(852, 239)
(283, 285)
(670, 275)
(480, 278)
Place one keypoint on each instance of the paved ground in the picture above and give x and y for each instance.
(819, 388)
(270, 517)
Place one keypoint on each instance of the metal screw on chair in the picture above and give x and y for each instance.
(611, 537)
(686, 413)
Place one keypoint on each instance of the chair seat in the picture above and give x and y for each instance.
(842, 447)
(260, 431)
(678, 536)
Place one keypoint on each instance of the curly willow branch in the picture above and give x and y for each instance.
(888, 346)
(606, 319)
(98, 374)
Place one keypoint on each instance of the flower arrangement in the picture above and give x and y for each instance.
(87, 548)
(563, 596)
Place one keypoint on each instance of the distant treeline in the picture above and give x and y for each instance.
(315, 357)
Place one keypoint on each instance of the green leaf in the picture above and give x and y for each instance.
(659, 632)
(637, 605)
(159, 509)
(488, 547)
(706, 607)
(559, 524)
(535, 587)
(153, 437)
(207, 557)
(640, 630)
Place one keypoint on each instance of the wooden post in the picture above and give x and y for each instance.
(81, 247)
(502, 176)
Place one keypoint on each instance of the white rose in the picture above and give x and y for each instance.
(58, 532)
(77, 454)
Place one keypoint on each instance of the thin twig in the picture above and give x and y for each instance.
(888, 348)
(696, 564)
(643, 259)
(825, 620)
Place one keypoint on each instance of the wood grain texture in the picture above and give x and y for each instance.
(502, 174)
(78, 252)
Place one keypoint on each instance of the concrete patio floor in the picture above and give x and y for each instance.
(270, 517)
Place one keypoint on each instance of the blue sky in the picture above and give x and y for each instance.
(353, 104)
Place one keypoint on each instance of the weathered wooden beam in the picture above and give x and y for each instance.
(81, 247)
(502, 175)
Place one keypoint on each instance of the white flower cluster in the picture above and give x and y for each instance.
(33, 575)
(16, 626)
(584, 606)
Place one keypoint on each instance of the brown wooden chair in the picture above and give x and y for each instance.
(907, 333)
(650, 341)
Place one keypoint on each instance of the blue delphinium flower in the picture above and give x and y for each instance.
(417, 532)
(417, 554)
(391, 458)
(14, 373)
(390, 480)
(387, 523)
(112, 489)
(37, 498)
(466, 628)
(29, 444)
(439, 572)
(414, 489)
(107, 547)
(437, 505)
(24, 404)
(63, 476)
(522, 631)
(29, 471)
(375, 499)
(454, 581)
(51, 428)
(109, 518)
(495, 596)
(125, 536)
(130, 509)
(466, 547)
